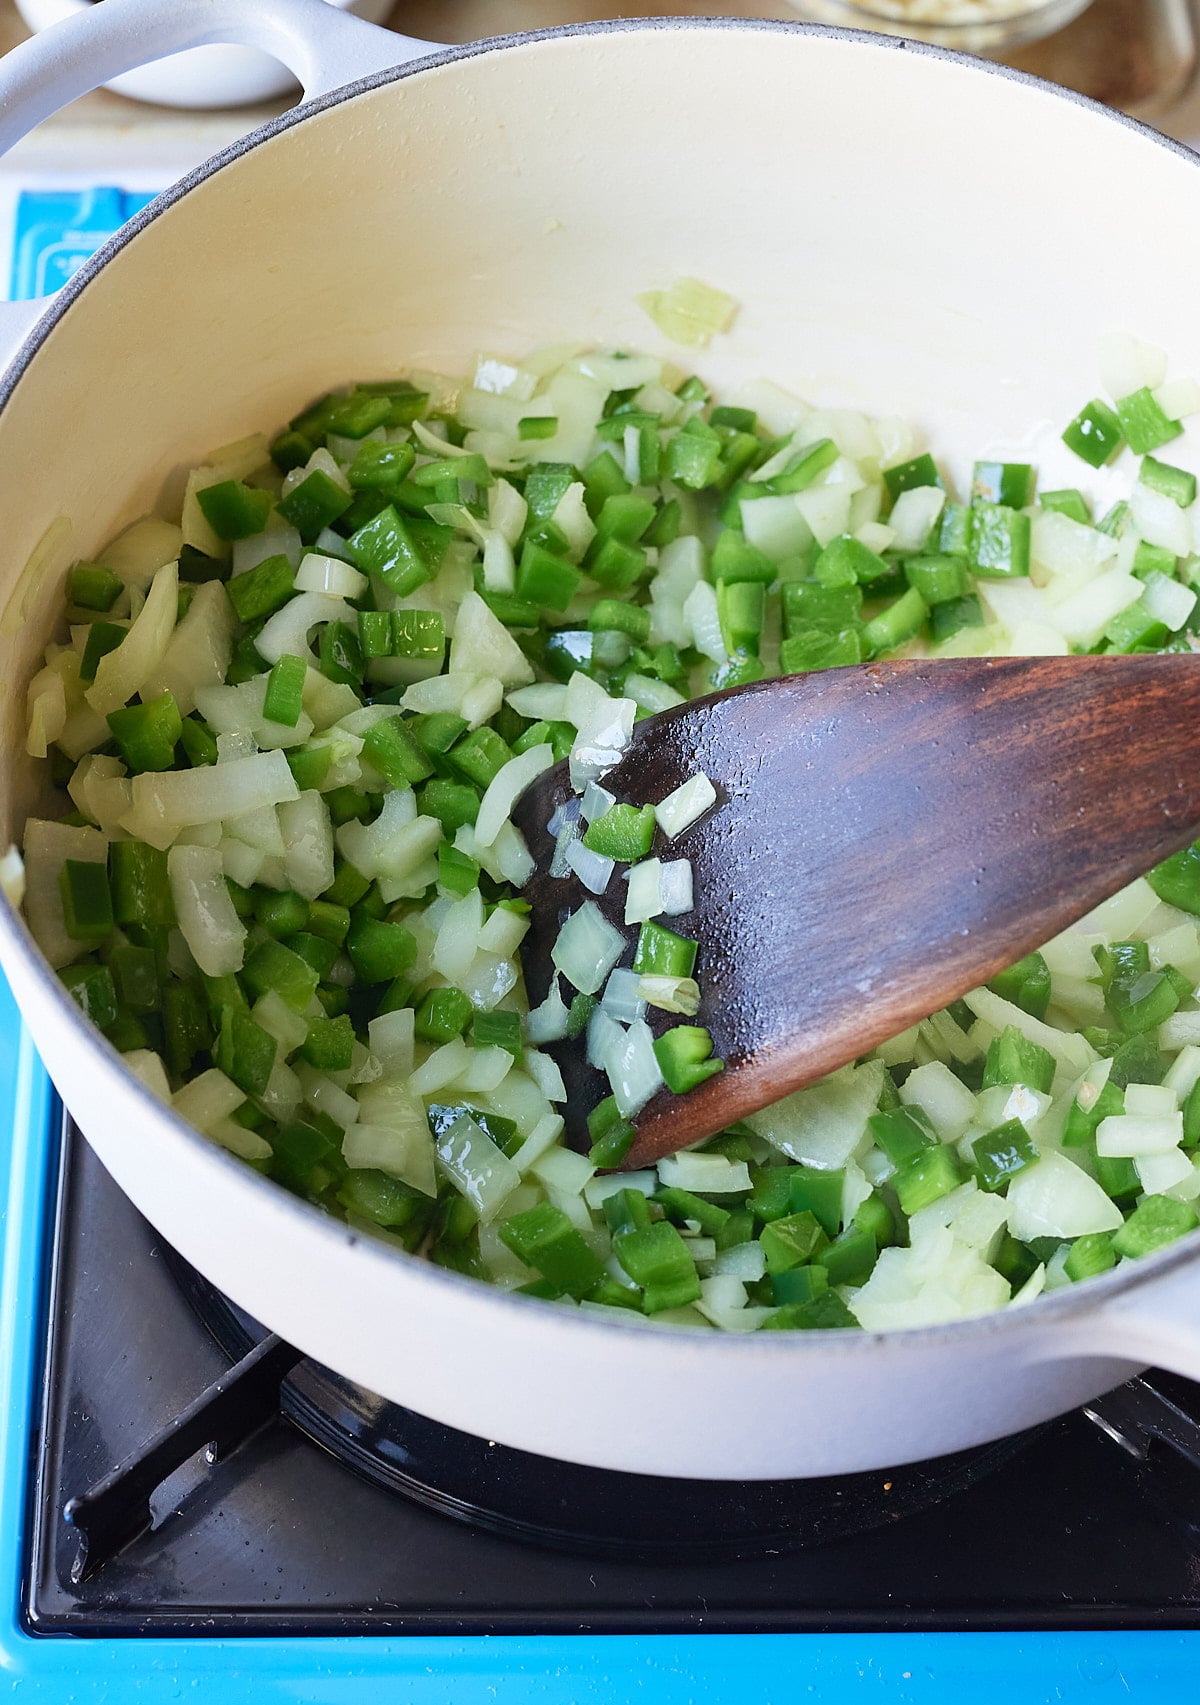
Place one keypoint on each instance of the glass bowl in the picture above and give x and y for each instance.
(973, 26)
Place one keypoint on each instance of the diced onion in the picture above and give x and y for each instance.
(1178, 398)
(545, 1073)
(595, 802)
(677, 895)
(198, 652)
(1127, 364)
(458, 937)
(148, 1068)
(621, 999)
(12, 877)
(548, 1022)
(207, 1098)
(48, 846)
(504, 932)
(286, 633)
(1056, 1198)
(391, 1039)
(703, 621)
(1160, 521)
(644, 896)
(545, 701)
(165, 802)
(121, 674)
(403, 1151)
(308, 842)
(1162, 1172)
(688, 311)
(633, 1070)
(704, 1174)
(476, 1167)
(685, 806)
(482, 645)
(593, 869)
(1124, 1136)
(587, 947)
(603, 1034)
(913, 514)
(506, 787)
(211, 927)
(328, 574)
(671, 994)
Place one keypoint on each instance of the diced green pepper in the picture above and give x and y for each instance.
(262, 590)
(234, 510)
(1155, 1222)
(86, 900)
(1143, 422)
(1095, 434)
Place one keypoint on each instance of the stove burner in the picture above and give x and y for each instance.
(286, 1536)
(565, 1506)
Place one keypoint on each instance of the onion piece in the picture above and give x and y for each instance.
(545, 1073)
(457, 940)
(587, 948)
(403, 1149)
(685, 806)
(677, 894)
(1127, 364)
(170, 800)
(468, 1157)
(48, 846)
(543, 1136)
(391, 1039)
(307, 833)
(330, 575)
(633, 1070)
(671, 994)
(603, 1034)
(689, 311)
(12, 877)
(1056, 1198)
(210, 925)
(622, 999)
(644, 896)
(198, 652)
(286, 633)
(593, 869)
(482, 645)
(506, 787)
(121, 674)
(548, 1022)
(207, 1098)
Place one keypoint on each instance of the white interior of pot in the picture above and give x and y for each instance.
(904, 234)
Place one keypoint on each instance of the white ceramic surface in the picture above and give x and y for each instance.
(224, 76)
(516, 194)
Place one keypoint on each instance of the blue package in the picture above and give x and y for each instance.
(55, 231)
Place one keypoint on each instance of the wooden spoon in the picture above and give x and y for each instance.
(886, 838)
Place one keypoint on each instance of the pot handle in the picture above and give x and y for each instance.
(1156, 1323)
(322, 46)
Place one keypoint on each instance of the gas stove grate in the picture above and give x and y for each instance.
(280, 1537)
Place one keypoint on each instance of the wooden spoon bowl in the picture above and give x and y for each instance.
(886, 838)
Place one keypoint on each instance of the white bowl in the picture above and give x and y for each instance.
(204, 76)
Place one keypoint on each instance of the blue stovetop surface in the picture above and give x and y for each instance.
(53, 233)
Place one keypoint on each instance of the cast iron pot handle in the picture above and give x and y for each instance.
(321, 46)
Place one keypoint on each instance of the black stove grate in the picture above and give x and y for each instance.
(1060, 1529)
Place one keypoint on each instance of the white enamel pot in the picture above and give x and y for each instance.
(905, 231)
